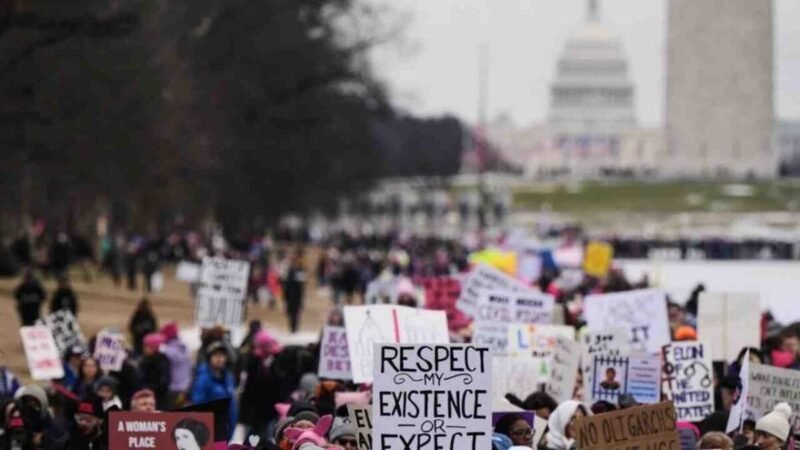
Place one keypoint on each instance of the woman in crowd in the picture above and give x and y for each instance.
(561, 432)
(516, 428)
(88, 374)
(143, 322)
(214, 381)
(155, 369)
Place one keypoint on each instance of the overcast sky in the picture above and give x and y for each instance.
(435, 70)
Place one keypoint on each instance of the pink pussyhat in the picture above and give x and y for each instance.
(170, 331)
(153, 340)
(265, 344)
(315, 435)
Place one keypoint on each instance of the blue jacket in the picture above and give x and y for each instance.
(207, 388)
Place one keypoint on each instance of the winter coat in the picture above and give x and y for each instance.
(180, 365)
(30, 295)
(208, 387)
(260, 393)
(156, 376)
(64, 298)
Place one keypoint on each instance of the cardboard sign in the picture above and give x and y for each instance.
(642, 312)
(485, 278)
(334, 357)
(518, 375)
(44, 360)
(432, 396)
(597, 259)
(642, 427)
(610, 343)
(361, 418)
(223, 287)
(688, 380)
(738, 412)
(188, 272)
(539, 341)
(382, 324)
(163, 430)
(769, 386)
(564, 370)
(65, 329)
(732, 321)
(637, 376)
(109, 350)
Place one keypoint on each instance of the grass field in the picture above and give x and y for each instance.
(673, 197)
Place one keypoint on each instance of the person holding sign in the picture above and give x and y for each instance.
(561, 434)
(772, 430)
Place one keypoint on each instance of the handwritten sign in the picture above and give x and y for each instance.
(220, 298)
(361, 417)
(44, 360)
(382, 324)
(732, 321)
(135, 430)
(65, 329)
(643, 313)
(597, 259)
(518, 375)
(496, 310)
(769, 386)
(432, 396)
(688, 380)
(564, 370)
(539, 341)
(109, 351)
(485, 278)
(609, 343)
(643, 427)
(334, 357)
(637, 376)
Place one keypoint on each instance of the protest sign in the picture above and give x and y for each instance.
(738, 412)
(109, 350)
(188, 272)
(220, 298)
(368, 325)
(642, 427)
(613, 376)
(613, 342)
(65, 329)
(334, 358)
(361, 418)
(485, 278)
(44, 359)
(732, 321)
(536, 340)
(688, 380)
(643, 313)
(768, 386)
(163, 430)
(564, 370)
(497, 309)
(432, 396)
(597, 259)
(518, 375)
(381, 291)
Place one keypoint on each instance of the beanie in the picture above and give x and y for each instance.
(37, 392)
(685, 333)
(170, 331)
(110, 382)
(342, 428)
(776, 423)
(153, 340)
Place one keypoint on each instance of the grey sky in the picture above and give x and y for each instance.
(435, 70)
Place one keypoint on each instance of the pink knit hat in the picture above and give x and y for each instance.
(170, 331)
(265, 344)
(153, 340)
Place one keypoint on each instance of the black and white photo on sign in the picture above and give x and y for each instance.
(613, 376)
(65, 328)
(432, 396)
(613, 342)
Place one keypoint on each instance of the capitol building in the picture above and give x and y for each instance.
(719, 118)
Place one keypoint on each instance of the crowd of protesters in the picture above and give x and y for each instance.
(274, 391)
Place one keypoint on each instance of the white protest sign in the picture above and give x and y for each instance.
(65, 329)
(485, 278)
(382, 324)
(739, 408)
(44, 360)
(536, 340)
(188, 272)
(361, 418)
(610, 343)
(564, 370)
(642, 312)
(334, 357)
(732, 321)
(617, 375)
(688, 380)
(223, 287)
(518, 375)
(496, 310)
(769, 386)
(432, 396)
(109, 350)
